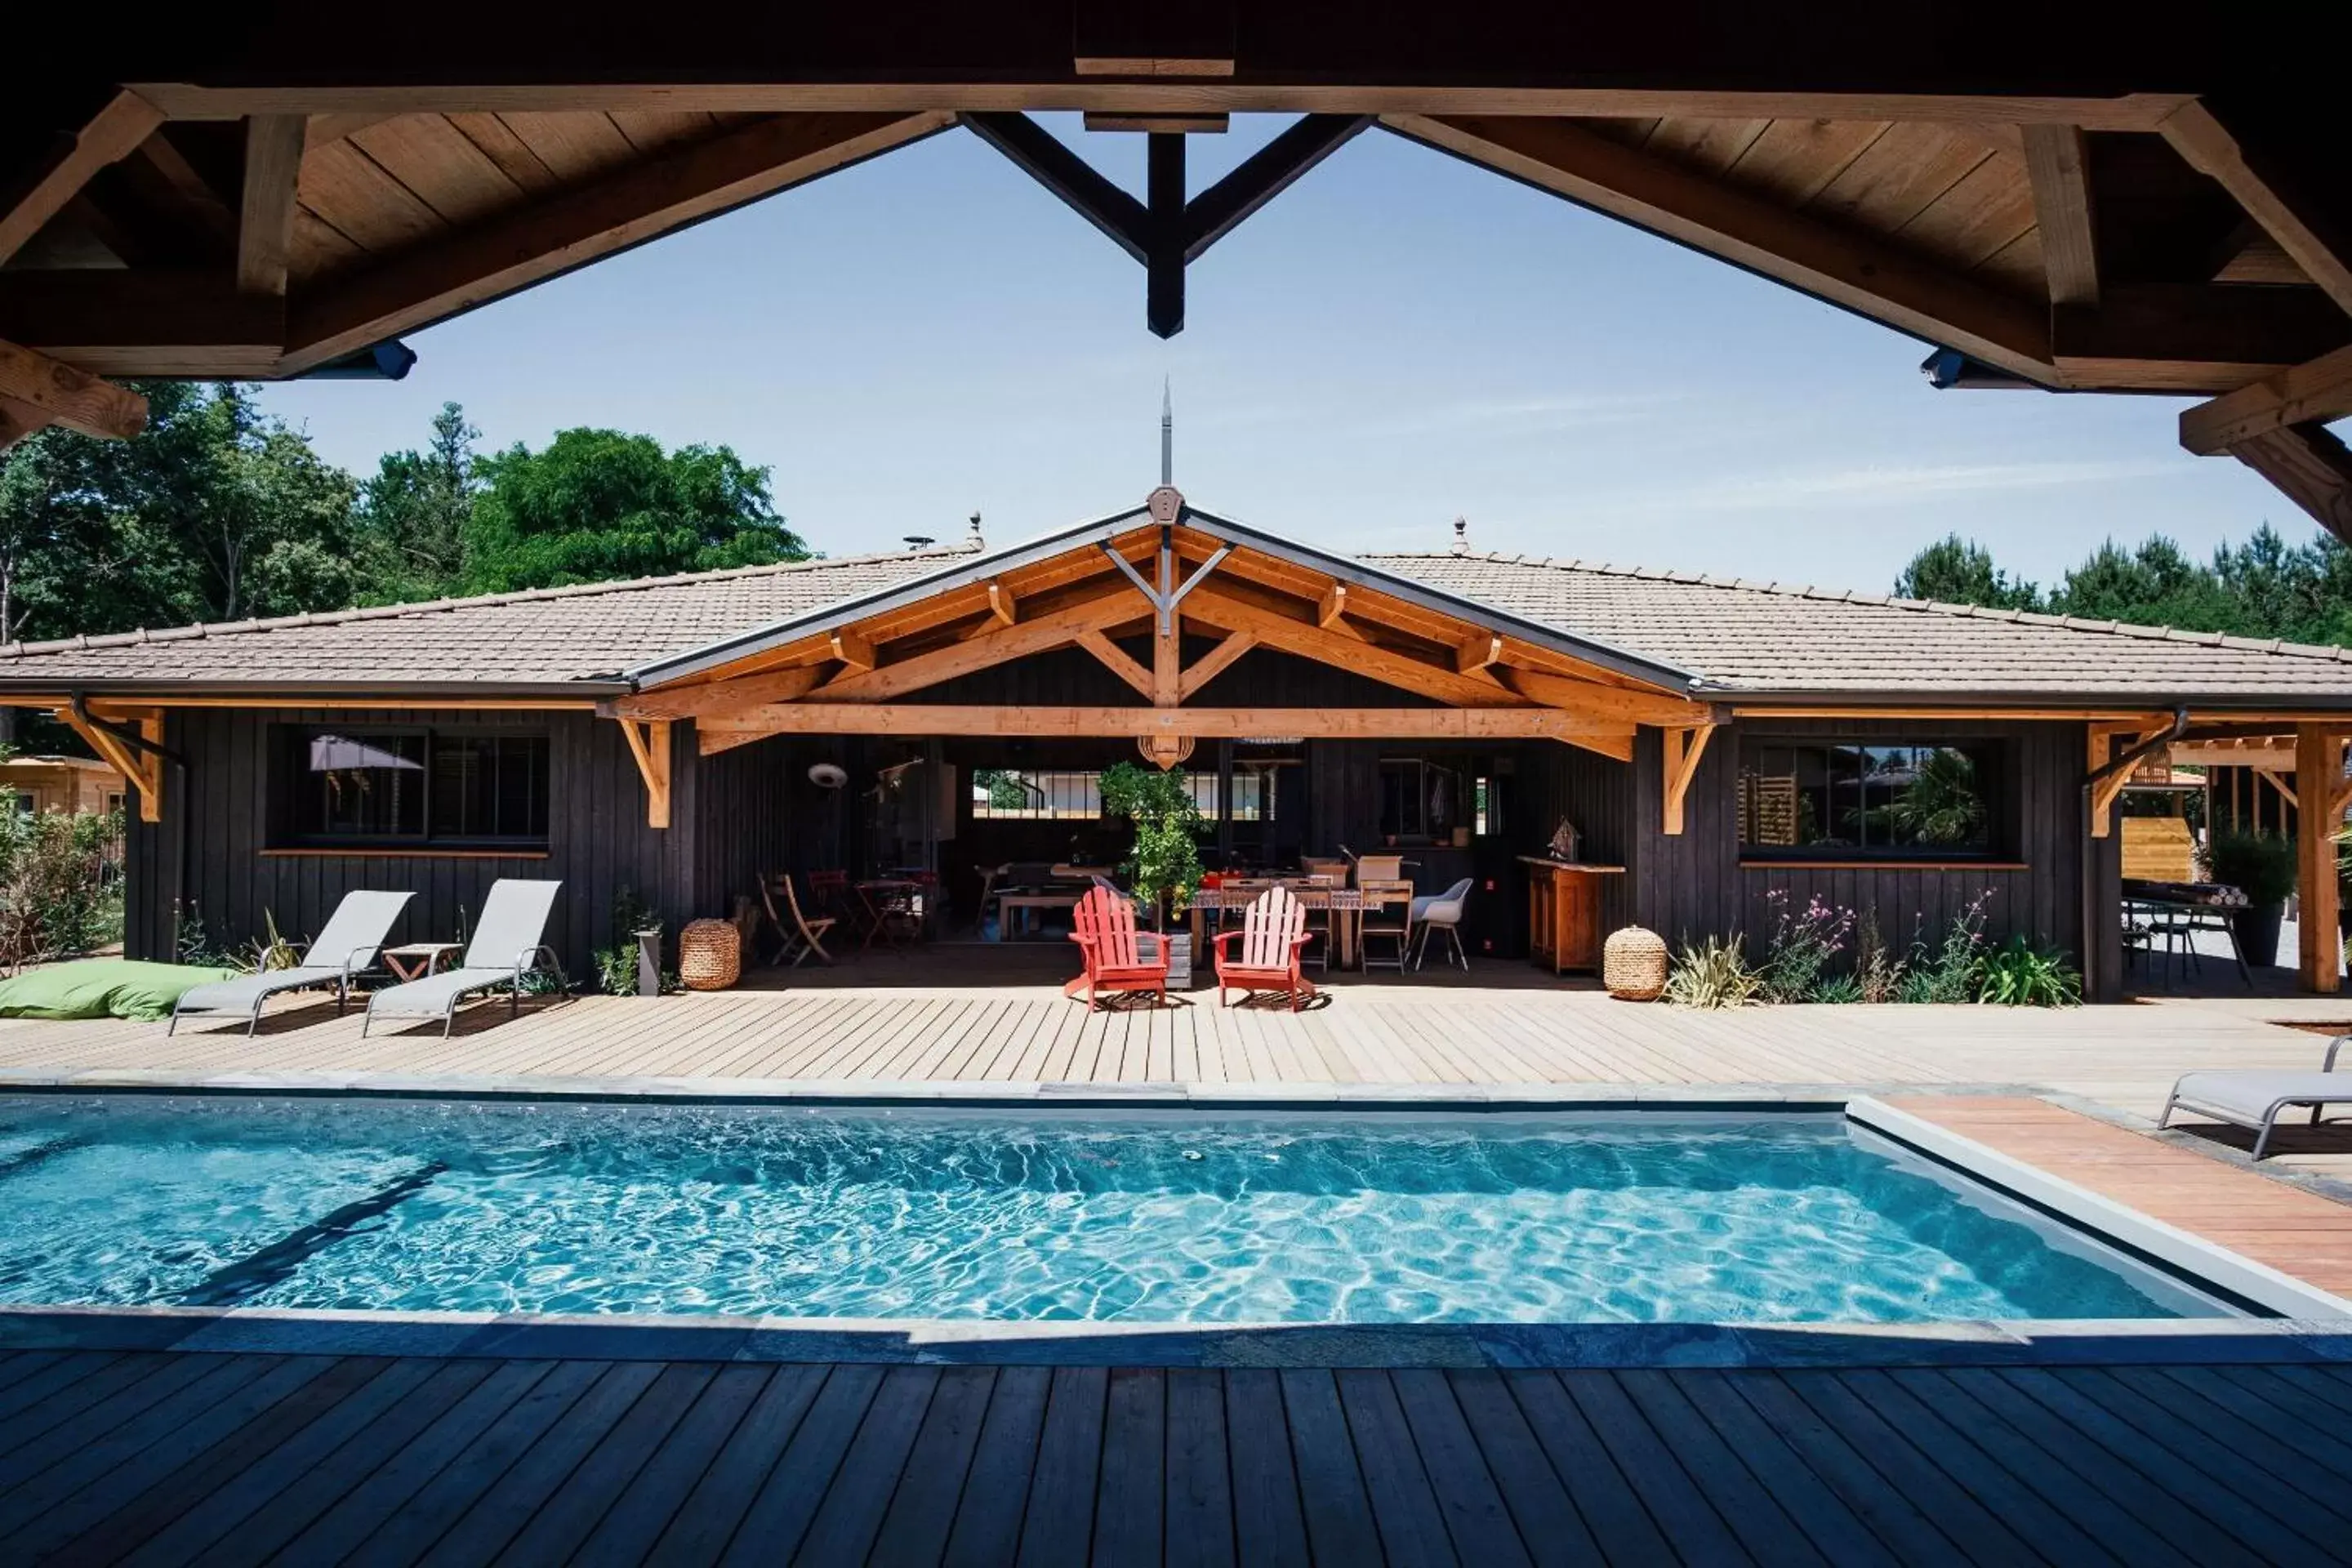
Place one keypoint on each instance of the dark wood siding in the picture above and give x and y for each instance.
(216, 828)
(1693, 885)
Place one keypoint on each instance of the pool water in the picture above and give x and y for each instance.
(1131, 1217)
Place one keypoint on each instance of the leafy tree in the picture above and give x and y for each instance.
(413, 515)
(2156, 584)
(1955, 571)
(599, 504)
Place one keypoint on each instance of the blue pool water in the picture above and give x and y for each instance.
(1132, 1216)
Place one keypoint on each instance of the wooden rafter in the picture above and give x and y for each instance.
(2058, 171)
(2103, 744)
(1606, 701)
(1683, 748)
(1115, 658)
(720, 696)
(125, 120)
(2311, 466)
(1226, 610)
(649, 745)
(1003, 606)
(2316, 242)
(265, 232)
(642, 200)
(2277, 781)
(934, 719)
(1038, 633)
(1480, 650)
(1848, 267)
(1213, 663)
(853, 648)
(37, 391)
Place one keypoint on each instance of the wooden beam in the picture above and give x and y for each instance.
(2306, 395)
(112, 322)
(1478, 652)
(1858, 270)
(264, 230)
(2056, 170)
(18, 420)
(1331, 610)
(1601, 701)
(2311, 466)
(1001, 605)
(1052, 629)
(1167, 661)
(1115, 660)
(73, 398)
(1227, 612)
(2193, 337)
(1683, 748)
(144, 769)
(644, 199)
(2318, 775)
(1212, 664)
(852, 648)
(1369, 723)
(650, 745)
(125, 120)
(2315, 241)
(720, 696)
(2277, 781)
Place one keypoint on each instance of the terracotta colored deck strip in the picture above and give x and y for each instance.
(2292, 1231)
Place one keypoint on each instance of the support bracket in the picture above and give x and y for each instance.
(1683, 748)
(649, 746)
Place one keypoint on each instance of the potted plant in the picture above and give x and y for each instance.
(2262, 866)
(1163, 866)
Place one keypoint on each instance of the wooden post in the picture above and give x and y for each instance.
(2318, 779)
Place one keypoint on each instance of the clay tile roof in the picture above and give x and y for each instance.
(589, 632)
(1763, 638)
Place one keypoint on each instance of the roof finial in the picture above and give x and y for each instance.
(976, 537)
(1461, 536)
(1167, 435)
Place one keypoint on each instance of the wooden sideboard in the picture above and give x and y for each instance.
(1564, 913)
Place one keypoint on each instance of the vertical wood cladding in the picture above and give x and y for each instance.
(1693, 885)
(216, 826)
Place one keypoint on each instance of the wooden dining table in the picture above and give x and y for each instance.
(1346, 905)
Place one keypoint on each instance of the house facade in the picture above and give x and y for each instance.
(1718, 746)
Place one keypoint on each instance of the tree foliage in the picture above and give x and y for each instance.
(599, 504)
(2265, 588)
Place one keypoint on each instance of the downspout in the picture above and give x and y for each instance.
(2092, 979)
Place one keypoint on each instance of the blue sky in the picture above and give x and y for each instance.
(1399, 340)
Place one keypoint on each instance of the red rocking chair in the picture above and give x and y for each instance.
(1104, 928)
(1273, 935)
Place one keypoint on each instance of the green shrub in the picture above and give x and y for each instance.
(2018, 973)
(1715, 975)
(2259, 864)
(1164, 866)
(60, 892)
(616, 966)
(1950, 973)
(1840, 988)
(1802, 946)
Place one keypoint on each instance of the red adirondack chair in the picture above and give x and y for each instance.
(1273, 934)
(1104, 928)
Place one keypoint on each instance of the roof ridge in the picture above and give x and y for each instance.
(1920, 606)
(82, 641)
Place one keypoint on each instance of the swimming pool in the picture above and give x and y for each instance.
(1029, 1216)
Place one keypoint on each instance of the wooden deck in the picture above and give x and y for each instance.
(193, 1458)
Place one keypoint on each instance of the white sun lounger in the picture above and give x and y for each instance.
(2253, 1099)
(509, 941)
(354, 934)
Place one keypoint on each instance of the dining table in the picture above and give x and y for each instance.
(1347, 907)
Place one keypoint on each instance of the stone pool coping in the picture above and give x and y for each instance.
(285, 1331)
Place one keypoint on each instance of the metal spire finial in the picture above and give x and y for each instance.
(1167, 435)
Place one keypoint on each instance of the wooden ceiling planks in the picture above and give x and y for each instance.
(344, 187)
(498, 142)
(1714, 145)
(576, 146)
(438, 165)
(1895, 178)
(1980, 213)
(1795, 160)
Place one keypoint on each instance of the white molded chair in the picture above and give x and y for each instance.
(1441, 911)
(347, 945)
(509, 941)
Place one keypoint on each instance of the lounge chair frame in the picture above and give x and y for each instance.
(2263, 1125)
(485, 977)
(356, 960)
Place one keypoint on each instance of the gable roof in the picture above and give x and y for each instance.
(1710, 636)
(1755, 639)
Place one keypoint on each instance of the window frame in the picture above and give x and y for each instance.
(283, 810)
(1990, 755)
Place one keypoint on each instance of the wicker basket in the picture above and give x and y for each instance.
(709, 955)
(1633, 965)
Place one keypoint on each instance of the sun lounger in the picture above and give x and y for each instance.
(2253, 1099)
(354, 935)
(509, 941)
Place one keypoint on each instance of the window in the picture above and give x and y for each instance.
(1024, 794)
(393, 788)
(1421, 800)
(1916, 800)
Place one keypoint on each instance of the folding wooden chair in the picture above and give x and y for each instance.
(798, 936)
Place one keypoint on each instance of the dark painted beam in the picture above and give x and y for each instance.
(1163, 303)
(1264, 175)
(1034, 152)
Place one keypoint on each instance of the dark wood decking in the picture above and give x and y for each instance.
(173, 1458)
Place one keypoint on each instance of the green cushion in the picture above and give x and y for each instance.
(103, 988)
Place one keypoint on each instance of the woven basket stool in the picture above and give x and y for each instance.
(709, 955)
(1633, 965)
